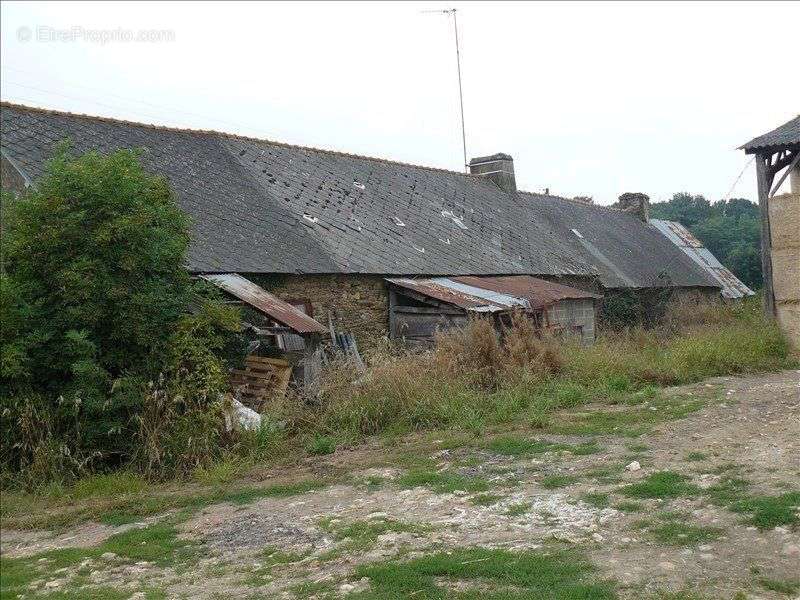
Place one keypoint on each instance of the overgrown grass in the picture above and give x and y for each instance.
(320, 445)
(673, 533)
(474, 379)
(26, 511)
(766, 512)
(511, 445)
(552, 482)
(158, 543)
(664, 485)
(695, 342)
(782, 586)
(494, 574)
(628, 506)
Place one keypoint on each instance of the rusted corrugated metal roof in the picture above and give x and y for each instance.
(427, 287)
(732, 287)
(537, 292)
(492, 294)
(260, 299)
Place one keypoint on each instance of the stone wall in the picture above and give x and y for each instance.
(356, 303)
(784, 222)
(360, 303)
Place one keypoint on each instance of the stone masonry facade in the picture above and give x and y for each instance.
(358, 304)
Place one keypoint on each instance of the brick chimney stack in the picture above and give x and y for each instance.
(497, 167)
(637, 204)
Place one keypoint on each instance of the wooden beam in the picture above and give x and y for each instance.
(764, 180)
(792, 165)
(392, 305)
(782, 162)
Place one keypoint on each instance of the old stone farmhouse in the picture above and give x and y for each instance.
(326, 229)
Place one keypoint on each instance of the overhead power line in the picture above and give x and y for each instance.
(736, 181)
(125, 108)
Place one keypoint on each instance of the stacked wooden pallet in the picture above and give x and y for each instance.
(261, 380)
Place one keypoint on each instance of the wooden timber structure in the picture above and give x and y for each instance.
(777, 154)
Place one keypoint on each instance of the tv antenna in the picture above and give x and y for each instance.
(452, 12)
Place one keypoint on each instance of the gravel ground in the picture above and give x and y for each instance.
(751, 429)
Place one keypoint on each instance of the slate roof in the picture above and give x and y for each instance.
(785, 135)
(264, 207)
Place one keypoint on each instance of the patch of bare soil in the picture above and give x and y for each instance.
(305, 545)
(752, 431)
(21, 543)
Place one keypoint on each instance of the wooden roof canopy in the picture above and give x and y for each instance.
(775, 151)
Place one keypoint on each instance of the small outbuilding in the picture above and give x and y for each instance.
(418, 308)
(284, 340)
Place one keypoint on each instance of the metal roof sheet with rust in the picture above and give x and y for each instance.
(732, 287)
(492, 294)
(787, 134)
(259, 206)
(260, 299)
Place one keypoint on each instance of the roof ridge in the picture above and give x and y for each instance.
(572, 200)
(236, 136)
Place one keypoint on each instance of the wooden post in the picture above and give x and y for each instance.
(392, 305)
(764, 181)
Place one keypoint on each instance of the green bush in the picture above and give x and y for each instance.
(94, 306)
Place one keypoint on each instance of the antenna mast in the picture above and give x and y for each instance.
(452, 12)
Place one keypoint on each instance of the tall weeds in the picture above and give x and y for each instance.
(477, 375)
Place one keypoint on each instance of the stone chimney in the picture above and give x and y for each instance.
(497, 167)
(637, 204)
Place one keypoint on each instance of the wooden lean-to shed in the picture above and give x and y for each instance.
(286, 340)
(418, 308)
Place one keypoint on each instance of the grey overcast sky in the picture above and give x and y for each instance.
(589, 98)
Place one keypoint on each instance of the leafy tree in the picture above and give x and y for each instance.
(684, 208)
(94, 288)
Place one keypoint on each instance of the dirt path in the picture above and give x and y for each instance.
(697, 529)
